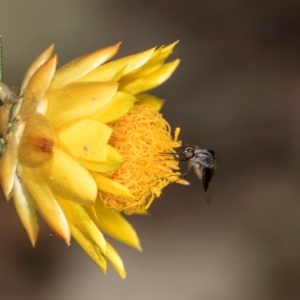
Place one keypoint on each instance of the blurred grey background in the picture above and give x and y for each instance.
(237, 92)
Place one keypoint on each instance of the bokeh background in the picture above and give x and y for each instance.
(237, 91)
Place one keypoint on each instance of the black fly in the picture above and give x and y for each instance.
(204, 163)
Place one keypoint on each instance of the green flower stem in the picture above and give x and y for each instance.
(0, 58)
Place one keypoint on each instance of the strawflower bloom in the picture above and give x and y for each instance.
(84, 143)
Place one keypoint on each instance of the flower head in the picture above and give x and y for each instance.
(83, 143)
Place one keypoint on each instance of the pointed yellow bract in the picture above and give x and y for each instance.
(82, 66)
(81, 144)
(26, 211)
(78, 100)
(89, 246)
(113, 224)
(69, 179)
(113, 256)
(8, 165)
(126, 64)
(78, 216)
(162, 53)
(46, 203)
(118, 107)
(159, 76)
(113, 187)
(151, 100)
(80, 140)
(114, 161)
(45, 56)
(37, 87)
(37, 141)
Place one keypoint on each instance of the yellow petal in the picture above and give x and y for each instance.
(78, 100)
(86, 139)
(35, 65)
(151, 100)
(78, 216)
(81, 66)
(114, 224)
(118, 107)
(8, 165)
(69, 179)
(152, 66)
(162, 53)
(37, 86)
(108, 185)
(143, 212)
(37, 141)
(113, 163)
(115, 259)
(25, 210)
(89, 247)
(129, 63)
(151, 81)
(46, 203)
(141, 72)
(118, 75)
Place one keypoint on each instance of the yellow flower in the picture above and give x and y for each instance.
(83, 143)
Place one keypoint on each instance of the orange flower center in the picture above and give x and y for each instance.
(142, 136)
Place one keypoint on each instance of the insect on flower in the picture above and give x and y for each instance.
(204, 162)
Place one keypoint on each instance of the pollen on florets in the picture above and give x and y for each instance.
(142, 136)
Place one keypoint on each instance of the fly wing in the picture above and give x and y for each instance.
(216, 160)
(206, 179)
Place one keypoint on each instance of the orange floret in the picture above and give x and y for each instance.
(142, 136)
